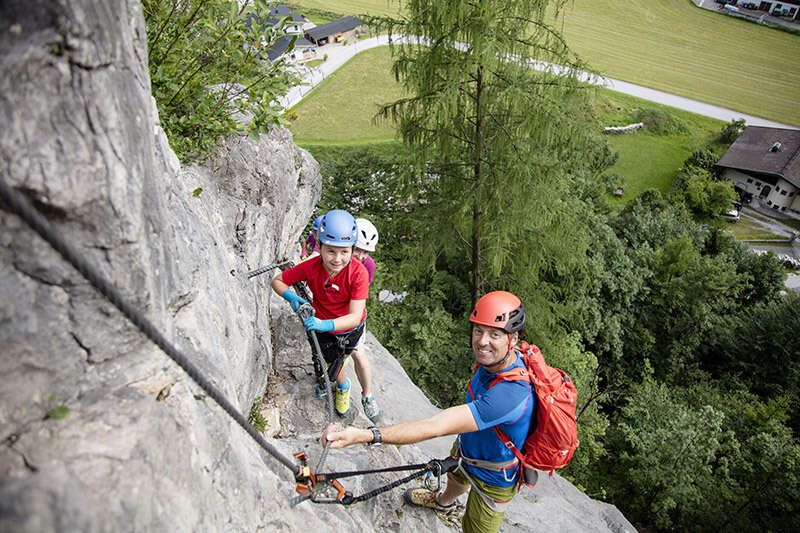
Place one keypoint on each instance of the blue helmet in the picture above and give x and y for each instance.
(338, 228)
(315, 225)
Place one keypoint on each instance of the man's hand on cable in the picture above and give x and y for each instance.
(294, 300)
(339, 438)
(313, 323)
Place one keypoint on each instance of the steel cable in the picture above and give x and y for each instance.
(19, 205)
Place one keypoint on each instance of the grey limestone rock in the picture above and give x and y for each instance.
(99, 431)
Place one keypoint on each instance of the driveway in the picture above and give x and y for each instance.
(339, 54)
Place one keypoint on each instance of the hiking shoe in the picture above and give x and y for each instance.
(342, 398)
(426, 498)
(371, 408)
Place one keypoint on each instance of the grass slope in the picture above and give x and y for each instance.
(342, 107)
(673, 46)
(340, 111)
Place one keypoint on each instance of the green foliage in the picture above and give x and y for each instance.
(57, 413)
(255, 417)
(659, 121)
(731, 131)
(703, 457)
(493, 132)
(760, 346)
(665, 450)
(206, 68)
(703, 195)
(432, 345)
(703, 158)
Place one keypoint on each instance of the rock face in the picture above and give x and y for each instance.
(99, 430)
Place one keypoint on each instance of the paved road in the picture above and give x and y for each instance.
(339, 54)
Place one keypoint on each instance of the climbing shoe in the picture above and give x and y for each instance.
(342, 398)
(371, 408)
(426, 498)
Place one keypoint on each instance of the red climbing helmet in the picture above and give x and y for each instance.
(499, 309)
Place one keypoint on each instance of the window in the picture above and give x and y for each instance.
(749, 180)
(758, 184)
(783, 208)
(783, 193)
(769, 202)
(777, 188)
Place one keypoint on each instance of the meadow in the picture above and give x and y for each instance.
(670, 45)
(341, 110)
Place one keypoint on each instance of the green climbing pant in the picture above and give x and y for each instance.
(485, 504)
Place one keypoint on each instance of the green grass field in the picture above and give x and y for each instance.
(749, 230)
(342, 107)
(673, 46)
(341, 111)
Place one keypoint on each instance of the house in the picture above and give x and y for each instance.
(296, 24)
(343, 29)
(764, 163)
(303, 49)
(789, 10)
(295, 27)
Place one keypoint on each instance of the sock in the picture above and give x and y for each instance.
(344, 386)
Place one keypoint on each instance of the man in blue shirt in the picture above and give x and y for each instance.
(487, 465)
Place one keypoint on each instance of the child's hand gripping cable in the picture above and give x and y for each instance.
(294, 300)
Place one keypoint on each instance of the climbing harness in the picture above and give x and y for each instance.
(317, 487)
(310, 485)
(268, 268)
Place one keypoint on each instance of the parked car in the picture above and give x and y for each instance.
(731, 216)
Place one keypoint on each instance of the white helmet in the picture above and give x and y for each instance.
(367, 235)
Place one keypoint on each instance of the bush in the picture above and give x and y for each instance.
(206, 68)
(660, 122)
(731, 131)
(703, 158)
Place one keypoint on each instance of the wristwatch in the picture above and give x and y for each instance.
(376, 437)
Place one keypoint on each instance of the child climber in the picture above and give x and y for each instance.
(311, 245)
(340, 287)
(366, 242)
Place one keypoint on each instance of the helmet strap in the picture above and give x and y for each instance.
(501, 363)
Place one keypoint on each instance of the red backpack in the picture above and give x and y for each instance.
(553, 436)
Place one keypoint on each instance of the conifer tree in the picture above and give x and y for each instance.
(497, 139)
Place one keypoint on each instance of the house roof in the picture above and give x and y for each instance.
(282, 10)
(276, 13)
(332, 28)
(282, 44)
(753, 152)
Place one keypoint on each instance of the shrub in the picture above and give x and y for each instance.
(703, 158)
(207, 66)
(659, 122)
(731, 131)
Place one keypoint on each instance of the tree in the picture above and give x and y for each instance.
(731, 131)
(498, 138)
(206, 67)
(665, 450)
(703, 195)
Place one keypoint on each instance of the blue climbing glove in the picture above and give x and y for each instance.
(294, 300)
(313, 323)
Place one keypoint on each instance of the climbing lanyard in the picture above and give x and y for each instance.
(315, 486)
(310, 485)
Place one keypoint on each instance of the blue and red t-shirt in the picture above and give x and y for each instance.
(508, 404)
(332, 294)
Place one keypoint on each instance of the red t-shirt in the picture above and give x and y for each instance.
(332, 294)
